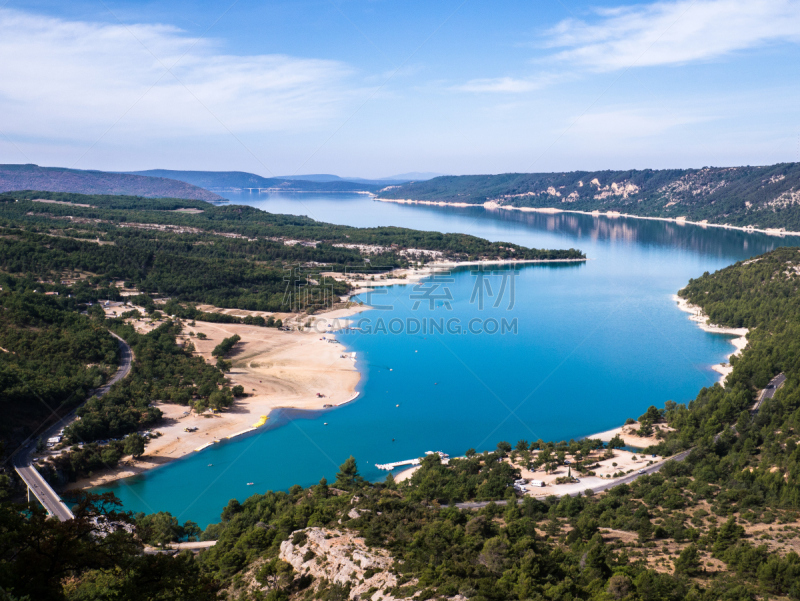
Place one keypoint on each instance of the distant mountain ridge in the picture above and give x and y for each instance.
(327, 177)
(381, 181)
(763, 197)
(222, 180)
(60, 179)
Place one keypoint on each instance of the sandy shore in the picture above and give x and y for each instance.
(702, 321)
(629, 437)
(494, 206)
(278, 369)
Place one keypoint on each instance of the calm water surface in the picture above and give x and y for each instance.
(596, 343)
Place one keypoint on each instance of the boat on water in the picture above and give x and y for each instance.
(250, 483)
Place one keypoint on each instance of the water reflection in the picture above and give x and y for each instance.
(708, 240)
(544, 230)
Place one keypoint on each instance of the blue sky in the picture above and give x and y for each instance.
(371, 88)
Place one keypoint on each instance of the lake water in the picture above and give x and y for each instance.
(595, 343)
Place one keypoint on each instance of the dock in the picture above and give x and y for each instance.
(245, 431)
(390, 466)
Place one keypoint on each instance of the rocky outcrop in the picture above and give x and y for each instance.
(343, 558)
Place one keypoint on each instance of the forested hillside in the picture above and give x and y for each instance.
(51, 356)
(764, 197)
(58, 179)
(227, 256)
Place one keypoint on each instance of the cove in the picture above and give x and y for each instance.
(595, 343)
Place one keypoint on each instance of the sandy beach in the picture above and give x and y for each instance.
(278, 369)
(701, 319)
(628, 436)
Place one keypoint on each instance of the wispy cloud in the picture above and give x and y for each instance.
(77, 78)
(509, 84)
(670, 33)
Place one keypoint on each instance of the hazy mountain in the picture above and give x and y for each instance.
(322, 177)
(59, 179)
(416, 176)
(242, 179)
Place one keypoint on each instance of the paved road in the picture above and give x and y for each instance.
(22, 459)
(651, 469)
(769, 392)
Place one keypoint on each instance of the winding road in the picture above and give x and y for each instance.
(22, 459)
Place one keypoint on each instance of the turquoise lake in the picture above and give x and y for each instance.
(595, 343)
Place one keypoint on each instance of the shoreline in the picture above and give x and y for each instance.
(702, 321)
(252, 412)
(299, 370)
(493, 206)
(412, 275)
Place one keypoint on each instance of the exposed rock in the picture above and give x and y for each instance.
(342, 558)
(623, 189)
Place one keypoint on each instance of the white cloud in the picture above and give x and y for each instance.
(668, 33)
(499, 84)
(72, 79)
(510, 85)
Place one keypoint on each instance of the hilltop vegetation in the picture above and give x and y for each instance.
(58, 179)
(51, 356)
(228, 256)
(765, 197)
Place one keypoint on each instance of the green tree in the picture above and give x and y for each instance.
(134, 445)
(348, 476)
(616, 442)
(163, 528)
(688, 562)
